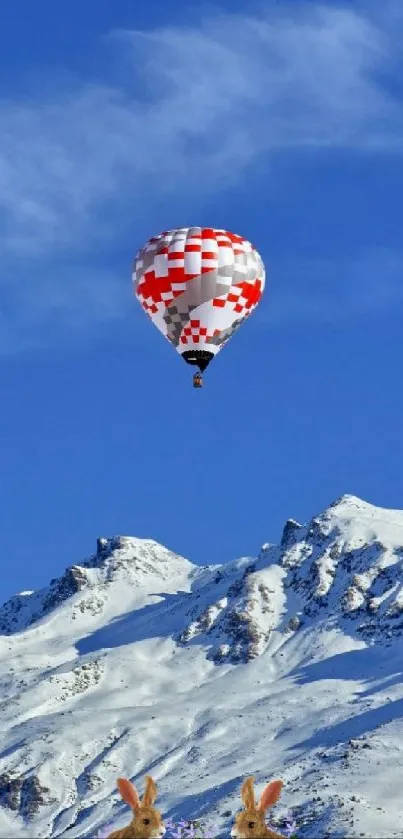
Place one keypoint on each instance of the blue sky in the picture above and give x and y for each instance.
(279, 121)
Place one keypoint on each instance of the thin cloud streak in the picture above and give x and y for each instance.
(70, 167)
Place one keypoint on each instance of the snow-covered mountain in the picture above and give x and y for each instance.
(287, 664)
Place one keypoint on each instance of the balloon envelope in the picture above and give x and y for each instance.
(198, 285)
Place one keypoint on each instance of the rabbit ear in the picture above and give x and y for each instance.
(247, 794)
(270, 795)
(150, 792)
(129, 793)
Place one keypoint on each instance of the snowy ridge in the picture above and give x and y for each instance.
(137, 562)
(138, 661)
(349, 561)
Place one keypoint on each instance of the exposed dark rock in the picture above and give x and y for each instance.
(290, 533)
(23, 795)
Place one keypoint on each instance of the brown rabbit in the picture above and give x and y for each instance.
(250, 823)
(146, 822)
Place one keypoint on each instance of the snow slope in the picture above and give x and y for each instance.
(287, 664)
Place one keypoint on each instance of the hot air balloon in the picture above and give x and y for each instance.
(198, 285)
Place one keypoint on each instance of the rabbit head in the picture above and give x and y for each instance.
(146, 822)
(250, 822)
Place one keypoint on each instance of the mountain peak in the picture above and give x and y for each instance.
(350, 501)
(118, 560)
(361, 522)
(135, 658)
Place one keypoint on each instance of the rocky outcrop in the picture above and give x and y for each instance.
(23, 795)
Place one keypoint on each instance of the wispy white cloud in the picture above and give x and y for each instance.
(199, 106)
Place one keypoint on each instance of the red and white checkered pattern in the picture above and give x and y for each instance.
(172, 266)
(194, 333)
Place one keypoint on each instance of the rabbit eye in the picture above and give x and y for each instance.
(251, 824)
(146, 821)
